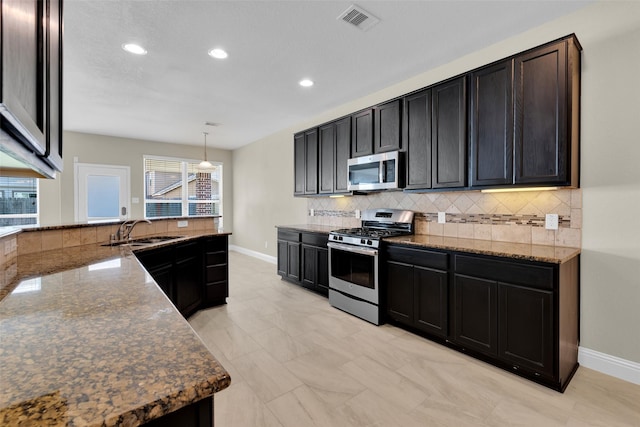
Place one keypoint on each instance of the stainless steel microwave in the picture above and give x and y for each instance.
(382, 171)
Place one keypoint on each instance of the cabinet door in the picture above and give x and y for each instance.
(476, 313)
(417, 139)
(400, 293)
(53, 84)
(309, 267)
(24, 71)
(293, 264)
(431, 300)
(342, 154)
(311, 162)
(188, 277)
(541, 116)
(526, 328)
(387, 127)
(298, 164)
(327, 143)
(448, 134)
(283, 258)
(323, 270)
(362, 134)
(491, 125)
(163, 276)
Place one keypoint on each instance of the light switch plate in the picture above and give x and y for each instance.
(358, 213)
(312, 212)
(182, 224)
(442, 217)
(551, 221)
(135, 200)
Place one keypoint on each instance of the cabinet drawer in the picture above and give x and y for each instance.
(421, 257)
(292, 236)
(155, 257)
(216, 258)
(216, 273)
(503, 271)
(216, 291)
(216, 244)
(315, 239)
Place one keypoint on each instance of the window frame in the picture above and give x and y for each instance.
(184, 192)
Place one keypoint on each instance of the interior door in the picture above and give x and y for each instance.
(102, 192)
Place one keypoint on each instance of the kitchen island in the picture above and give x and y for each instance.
(88, 338)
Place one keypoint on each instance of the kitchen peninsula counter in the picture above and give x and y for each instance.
(522, 251)
(88, 338)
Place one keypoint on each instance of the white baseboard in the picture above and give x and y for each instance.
(255, 254)
(611, 365)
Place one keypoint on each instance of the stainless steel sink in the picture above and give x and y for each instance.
(143, 241)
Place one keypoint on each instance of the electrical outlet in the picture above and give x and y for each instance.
(551, 221)
(442, 217)
(135, 200)
(312, 212)
(182, 224)
(358, 213)
(14, 245)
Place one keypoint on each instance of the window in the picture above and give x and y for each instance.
(176, 187)
(18, 201)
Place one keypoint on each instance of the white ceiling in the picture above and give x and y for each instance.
(171, 92)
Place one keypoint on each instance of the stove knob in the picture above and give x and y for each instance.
(369, 242)
(335, 237)
(339, 237)
(363, 242)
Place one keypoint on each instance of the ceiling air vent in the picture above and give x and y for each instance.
(358, 17)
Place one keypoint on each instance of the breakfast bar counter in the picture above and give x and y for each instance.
(88, 338)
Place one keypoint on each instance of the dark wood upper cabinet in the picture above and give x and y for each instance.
(334, 141)
(342, 153)
(327, 145)
(449, 134)
(362, 133)
(311, 162)
(298, 164)
(305, 153)
(387, 134)
(31, 91)
(416, 136)
(491, 125)
(546, 114)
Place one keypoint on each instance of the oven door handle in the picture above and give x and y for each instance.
(354, 249)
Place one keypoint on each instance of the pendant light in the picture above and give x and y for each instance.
(205, 164)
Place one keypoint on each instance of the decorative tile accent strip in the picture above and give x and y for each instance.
(337, 214)
(495, 219)
(564, 221)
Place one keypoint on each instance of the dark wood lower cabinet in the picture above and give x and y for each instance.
(476, 315)
(188, 278)
(526, 328)
(303, 259)
(522, 316)
(193, 274)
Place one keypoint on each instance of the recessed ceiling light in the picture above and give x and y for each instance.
(306, 83)
(218, 53)
(134, 48)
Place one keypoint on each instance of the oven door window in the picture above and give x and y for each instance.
(353, 268)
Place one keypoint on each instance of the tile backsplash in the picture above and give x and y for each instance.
(506, 217)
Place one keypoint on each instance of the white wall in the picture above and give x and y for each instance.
(57, 196)
(610, 35)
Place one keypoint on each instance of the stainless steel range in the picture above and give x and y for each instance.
(353, 261)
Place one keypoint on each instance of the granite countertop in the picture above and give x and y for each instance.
(312, 228)
(88, 338)
(550, 254)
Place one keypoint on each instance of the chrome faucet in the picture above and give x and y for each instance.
(125, 229)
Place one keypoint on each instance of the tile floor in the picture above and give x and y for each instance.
(296, 361)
